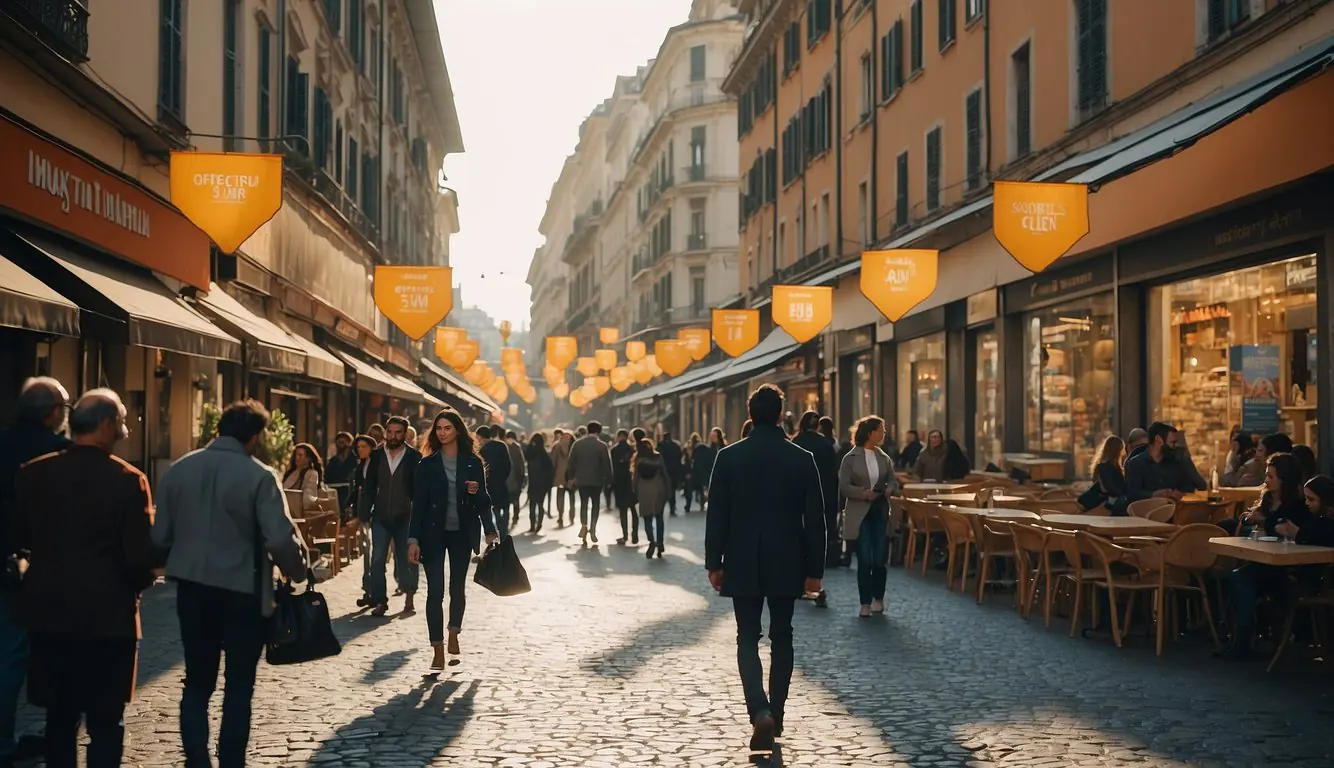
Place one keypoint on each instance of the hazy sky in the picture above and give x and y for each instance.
(525, 74)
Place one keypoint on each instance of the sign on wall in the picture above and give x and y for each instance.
(1038, 222)
(415, 299)
(803, 310)
(736, 331)
(898, 280)
(229, 195)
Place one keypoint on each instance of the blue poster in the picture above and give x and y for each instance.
(1255, 369)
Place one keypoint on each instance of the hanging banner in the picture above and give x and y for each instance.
(560, 390)
(651, 363)
(641, 371)
(498, 391)
(896, 281)
(601, 385)
(578, 399)
(516, 378)
(672, 356)
(589, 390)
(606, 359)
(803, 310)
(228, 195)
(474, 373)
(506, 327)
(609, 335)
(527, 394)
(621, 378)
(463, 355)
(1038, 222)
(635, 351)
(736, 331)
(486, 377)
(588, 366)
(415, 299)
(511, 357)
(697, 341)
(561, 351)
(446, 338)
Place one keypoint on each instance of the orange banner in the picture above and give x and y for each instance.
(803, 310)
(588, 366)
(415, 299)
(898, 280)
(621, 378)
(578, 398)
(606, 359)
(609, 335)
(651, 363)
(516, 378)
(672, 356)
(601, 384)
(511, 357)
(697, 341)
(736, 331)
(642, 373)
(1038, 222)
(474, 373)
(527, 394)
(463, 355)
(589, 389)
(635, 351)
(498, 391)
(561, 351)
(229, 195)
(560, 390)
(445, 340)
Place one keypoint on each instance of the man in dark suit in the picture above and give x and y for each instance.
(765, 542)
(497, 459)
(810, 437)
(387, 497)
(671, 458)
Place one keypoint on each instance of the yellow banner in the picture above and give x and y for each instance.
(445, 339)
(606, 359)
(1038, 222)
(560, 390)
(621, 378)
(511, 357)
(578, 398)
(672, 356)
(898, 280)
(601, 384)
(635, 351)
(516, 378)
(803, 310)
(651, 362)
(414, 298)
(736, 331)
(642, 373)
(498, 391)
(527, 394)
(506, 327)
(487, 377)
(474, 373)
(589, 390)
(609, 335)
(228, 195)
(463, 355)
(588, 366)
(561, 351)
(697, 341)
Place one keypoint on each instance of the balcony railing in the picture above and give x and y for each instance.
(695, 172)
(331, 192)
(697, 241)
(62, 24)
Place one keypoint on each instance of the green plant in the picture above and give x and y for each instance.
(208, 424)
(275, 448)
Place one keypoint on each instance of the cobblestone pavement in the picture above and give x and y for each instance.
(613, 660)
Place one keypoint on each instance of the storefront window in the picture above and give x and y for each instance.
(1070, 378)
(922, 384)
(1235, 350)
(986, 426)
(861, 386)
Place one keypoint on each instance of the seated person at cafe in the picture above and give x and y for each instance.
(1160, 471)
(1252, 472)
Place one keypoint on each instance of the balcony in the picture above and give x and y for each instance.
(346, 206)
(697, 241)
(694, 173)
(61, 24)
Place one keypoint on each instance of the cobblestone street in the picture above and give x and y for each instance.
(613, 660)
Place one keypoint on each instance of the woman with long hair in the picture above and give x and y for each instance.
(866, 481)
(930, 464)
(305, 472)
(450, 510)
(957, 465)
(1109, 481)
(1237, 470)
(651, 489)
(541, 476)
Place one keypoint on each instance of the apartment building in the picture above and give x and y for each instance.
(355, 95)
(1197, 126)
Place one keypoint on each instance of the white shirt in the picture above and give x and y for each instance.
(872, 466)
(394, 459)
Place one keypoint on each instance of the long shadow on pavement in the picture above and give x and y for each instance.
(411, 729)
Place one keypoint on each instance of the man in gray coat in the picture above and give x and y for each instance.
(590, 466)
(223, 521)
(518, 472)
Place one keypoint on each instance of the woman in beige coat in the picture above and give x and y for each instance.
(651, 490)
(866, 481)
(560, 460)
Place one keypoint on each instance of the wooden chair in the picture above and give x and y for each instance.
(994, 542)
(1030, 549)
(1106, 554)
(1323, 601)
(1150, 509)
(1181, 563)
(959, 533)
(920, 516)
(1081, 579)
(324, 532)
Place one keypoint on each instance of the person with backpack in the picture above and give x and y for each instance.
(652, 487)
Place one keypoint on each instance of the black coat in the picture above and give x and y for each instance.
(827, 462)
(19, 445)
(430, 504)
(541, 471)
(622, 483)
(701, 465)
(497, 459)
(765, 527)
(370, 485)
(671, 453)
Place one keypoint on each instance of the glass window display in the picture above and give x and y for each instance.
(986, 427)
(921, 374)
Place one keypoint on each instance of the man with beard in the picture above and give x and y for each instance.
(390, 482)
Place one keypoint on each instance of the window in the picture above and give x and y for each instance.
(916, 36)
(350, 187)
(891, 61)
(819, 16)
(948, 12)
(973, 117)
(171, 60)
(824, 219)
(933, 169)
(697, 284)
(697, 63)
(781, 253)
(901, 190)
(1226, 15)
(369, 186)
(698, 223)
(356, 36)
(230, 76)
(263, 89)
(868, 86)
(374, 63)
(298, 106)
(799, 247)
(697, 146)
(338, 151)
(333, 13)
(863, 217)
(1092, 50)
(323, 128)
(972, 10)
(922, 388)
(791, 47)
(1022, 101)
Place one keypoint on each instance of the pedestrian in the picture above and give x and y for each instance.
(702, 465)
(496, 456)
(652, 489)
(930, 464)
(912, 448)
(622, 483)
(83, 519)
(541, 476)
(38, 429)
(219, 511)
(449, 513)
(671, 454)
(692, 445)
(957, 465)
(810, 438)
(305, 473)
(866, 480)
(590, 470)
(518, 476)
(764, 542)
(364, 445)
(387, 501)
(376, 432)
(826, 428)
(560, 461)
(338, 472)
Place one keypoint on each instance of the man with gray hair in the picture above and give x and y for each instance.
(1136, 442)
(38, 429)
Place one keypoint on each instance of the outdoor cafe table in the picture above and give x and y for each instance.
(1001, 500)
(1110, 526)
(920, 490)
(1271, 552)
(996, 514)
(1039, 469)
(1198, 508)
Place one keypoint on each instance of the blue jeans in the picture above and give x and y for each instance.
(455, 549)
(872, 556)
(383, 533)
(13, 671)
(650, 524)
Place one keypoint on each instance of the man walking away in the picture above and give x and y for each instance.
(671, 454)
(764, 542)
(390, 483)
(218, 511)
(811, 437)
(496, 457)
(560, 461)
(590, 467)
(623, 488)
(339, 471)
(90, 551)
(518, 476)
(38, 429)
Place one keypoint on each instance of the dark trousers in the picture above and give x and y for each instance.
(748, 633)
(673, 485)
(386, 534)
(872, 557)
(1252, 581)
(833, 539)
(650, 524)
(458, 551)
(14, 651)
(561, 495)
(589, 494)
(629, 522)
(86, 679)
(215, 622)
(502, 514)
(535, 511)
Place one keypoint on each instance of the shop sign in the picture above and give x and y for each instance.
(561, 351)
(898, 280)
(445, 339)
(981, 307)
(803, 310)
(463, 355)
(1255, 369)
(672, 356)
(415, 299)
(1301, 274)
(1038, 222)
(635, 351)
(736, 331)
(229, 195)
(609, 335)
(1085, 277)
(44, 182)
(697, 342)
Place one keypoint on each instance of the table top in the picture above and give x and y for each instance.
(1035, 460)
(997, 514)
(970, 498)
(1109, 526)
(933, 486)
(1272, 552)
(1201, 498)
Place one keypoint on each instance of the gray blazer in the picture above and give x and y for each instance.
(854, 482)
(590, 463)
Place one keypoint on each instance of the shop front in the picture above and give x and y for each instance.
(983, 369)
(921, 369)
(855, 377)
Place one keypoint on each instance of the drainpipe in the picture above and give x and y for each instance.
(379, 152)
(986, 80)
(282, 77)
(873, 214)
(837, 109)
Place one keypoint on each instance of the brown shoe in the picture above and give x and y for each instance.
(380, 610)
(408, 608)
(438, 658)
(453, 647)
(762, 738)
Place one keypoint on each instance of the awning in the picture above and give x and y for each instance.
(381, 382)
(460, 387)
(320, 363)
(26, 302)
(268, 347)
(121, 303)
(413, 390)
(777, 345)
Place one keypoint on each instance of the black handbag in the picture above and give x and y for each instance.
(300, 629)
(500, 570)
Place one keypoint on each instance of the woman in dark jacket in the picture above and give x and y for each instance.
(450, 509)
(957, 465)
(701, 466)
(541, 477)
(1109, 481)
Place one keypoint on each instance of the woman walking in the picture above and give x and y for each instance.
(652, 489)
(450, 509)
(866, 482)
(541, 475)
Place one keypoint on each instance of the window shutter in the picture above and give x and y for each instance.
(898, 54)
(974, 119)
(933, 169)
(917, 35)
(901, 190)
(319, 127)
